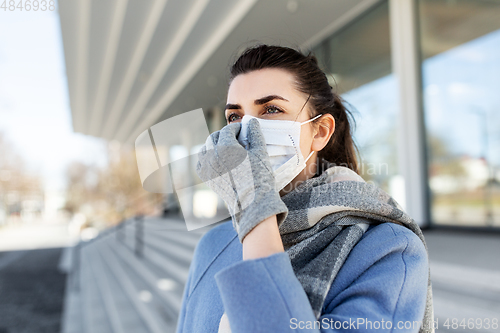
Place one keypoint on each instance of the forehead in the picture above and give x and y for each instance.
(263, 82)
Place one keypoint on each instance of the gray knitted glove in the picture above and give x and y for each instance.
(243, 178)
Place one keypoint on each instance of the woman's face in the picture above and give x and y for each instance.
(270, 94)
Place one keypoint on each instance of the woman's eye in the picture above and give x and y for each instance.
(273, 109)
(231, 118)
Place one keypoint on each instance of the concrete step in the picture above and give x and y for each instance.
(167, 297)
(94, 312)
(155, 245)
(189, 239)
(461, 291)
(66, 260)
(172, 268)
(111, 289)
(128, 316)
(182, 254)
(135, 288)
(104, 286)
(72, 321)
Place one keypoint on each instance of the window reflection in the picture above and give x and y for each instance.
(357, 60)
(460, 43)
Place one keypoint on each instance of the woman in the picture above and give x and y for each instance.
(310, 246)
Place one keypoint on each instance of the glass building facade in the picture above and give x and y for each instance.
(458, 45)
(460, 52)
(357, 60)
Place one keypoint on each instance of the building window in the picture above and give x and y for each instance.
(460, 45)
(357, 60)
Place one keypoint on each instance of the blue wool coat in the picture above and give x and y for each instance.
(380, 288)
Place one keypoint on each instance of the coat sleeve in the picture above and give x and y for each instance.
(185, 296)
(382, 284)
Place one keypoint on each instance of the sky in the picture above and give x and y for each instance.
(34, 103)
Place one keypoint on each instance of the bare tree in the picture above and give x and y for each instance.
(17, 184)
(108, 195)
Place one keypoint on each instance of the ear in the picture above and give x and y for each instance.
(323, 132)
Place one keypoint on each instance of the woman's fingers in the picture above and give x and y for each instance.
(229, 133)
(210, 142)
(221, 153)
(255, 137)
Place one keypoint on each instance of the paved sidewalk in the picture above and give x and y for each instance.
(463, 247)
(31, 291)
(30, 236)
(465, 271)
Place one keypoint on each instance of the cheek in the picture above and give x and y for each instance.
(305, 140)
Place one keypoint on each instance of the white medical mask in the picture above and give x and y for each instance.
(283, 146)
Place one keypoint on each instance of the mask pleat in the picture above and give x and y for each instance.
(276, 150)
(282, 139)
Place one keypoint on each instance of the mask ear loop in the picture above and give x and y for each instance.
(312, 151)
(305, 122)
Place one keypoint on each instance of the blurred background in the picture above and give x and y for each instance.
(85, 248)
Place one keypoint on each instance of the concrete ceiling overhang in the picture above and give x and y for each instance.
(133, 63)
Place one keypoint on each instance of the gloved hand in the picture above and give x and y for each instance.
(243, 178)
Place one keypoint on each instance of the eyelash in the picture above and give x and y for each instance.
(267, 107)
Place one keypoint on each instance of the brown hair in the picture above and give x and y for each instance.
(311, 80)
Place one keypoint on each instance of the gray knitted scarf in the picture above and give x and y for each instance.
(328, 215)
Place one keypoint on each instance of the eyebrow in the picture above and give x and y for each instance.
(259, 101)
